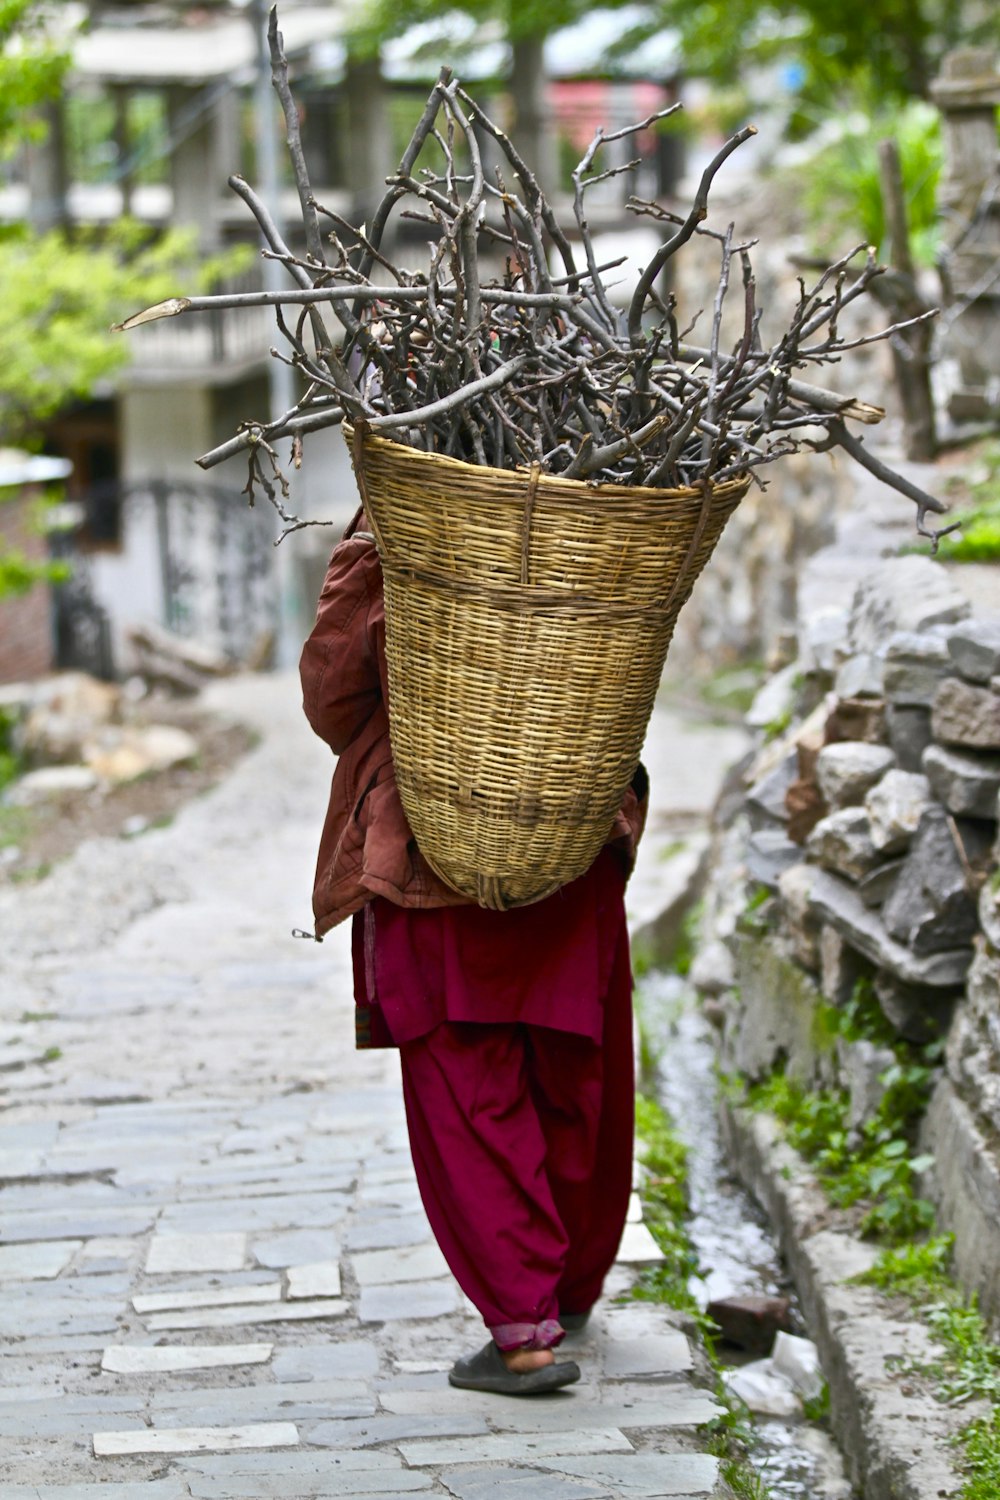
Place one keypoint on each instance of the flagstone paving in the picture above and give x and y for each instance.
(191, 1150)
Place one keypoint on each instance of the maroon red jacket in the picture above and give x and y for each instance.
(367, 847)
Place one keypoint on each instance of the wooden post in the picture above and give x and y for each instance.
(911, 349)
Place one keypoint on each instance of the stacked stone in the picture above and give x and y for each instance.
(874, 820)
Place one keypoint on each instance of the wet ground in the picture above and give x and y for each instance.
(736, 1251)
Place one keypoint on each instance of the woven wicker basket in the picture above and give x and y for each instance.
(527, 623)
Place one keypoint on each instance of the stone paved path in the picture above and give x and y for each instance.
(216, 1278)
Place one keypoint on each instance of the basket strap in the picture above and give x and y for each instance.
(358, 458)
(529, 506)
(690, 557)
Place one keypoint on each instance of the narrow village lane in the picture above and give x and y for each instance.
(216, 1278)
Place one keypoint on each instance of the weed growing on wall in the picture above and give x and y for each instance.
(969, 1368)
(877, 1165)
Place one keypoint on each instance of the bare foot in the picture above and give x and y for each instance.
(520, 1361)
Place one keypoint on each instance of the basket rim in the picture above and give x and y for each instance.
(738, 484)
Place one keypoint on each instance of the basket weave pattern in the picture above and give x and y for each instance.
(527, 623)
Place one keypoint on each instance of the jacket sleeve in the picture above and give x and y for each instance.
(339, 668)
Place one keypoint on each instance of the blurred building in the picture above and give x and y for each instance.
(160, 107)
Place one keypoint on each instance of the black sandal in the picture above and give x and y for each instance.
(486, 1371)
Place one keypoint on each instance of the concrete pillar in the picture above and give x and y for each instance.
(47, 174)
(194, 167)
(967, 94)
(369, 154)
(532, 131)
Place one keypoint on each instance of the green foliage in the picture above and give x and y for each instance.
(31, 72)
(60, 298)
(912, 1269)
(734, 688)
(10, 764)
(876, 1166)
(743, 1481)
(817, 1408)
(981, 1441)
(376, 23)
(874, 49)
(665, 1207)
(979, 538)
(842, 191)
(753, 919)
(686, 946)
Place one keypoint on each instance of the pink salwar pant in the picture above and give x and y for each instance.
(522, 1143)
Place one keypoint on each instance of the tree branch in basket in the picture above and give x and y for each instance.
(484, 354)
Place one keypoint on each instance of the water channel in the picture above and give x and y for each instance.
(736, 1253)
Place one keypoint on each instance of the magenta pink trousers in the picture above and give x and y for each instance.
(522, 1143)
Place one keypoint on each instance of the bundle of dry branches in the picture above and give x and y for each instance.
(535, 366)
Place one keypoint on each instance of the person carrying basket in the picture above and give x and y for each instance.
(514, 1028)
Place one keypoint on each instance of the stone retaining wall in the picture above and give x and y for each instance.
(865, 837)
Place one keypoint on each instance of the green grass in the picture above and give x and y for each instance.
(979, 538)
(686, 946)
(665, 1211)
(969, 1368)
(981, 1441)
(878, 1165)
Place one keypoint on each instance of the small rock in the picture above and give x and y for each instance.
(860, 676)
(915, 666)
(810, 737)
(797, 1360)
(51, 781)
(931, 909)
(840, 966)
(714, 1012)
(894, 807)
(769, 852)
(846, 771)
(862, 1065)
(805, 807)
(763, 1391)
(823, 640)
(712, 970)
(917, 1012)
(121, 755)
(842, 842)
(834, 900)
(874, 889)
(858, 719)
(751, 1322)
(902, 593)
(775, 701)
(135, 825)
(765, 801)
(975, 649)
(909, 731)
(966, 715)
(966, 783)
(798, 924)
(989, 913)
(65, 711)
